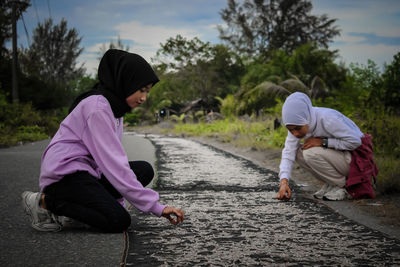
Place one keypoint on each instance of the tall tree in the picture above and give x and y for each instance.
(6, 19)
(53, 53)
(112, 45)
(257, 27)
(391, 78)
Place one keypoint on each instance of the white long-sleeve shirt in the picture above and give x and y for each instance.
(342, 134)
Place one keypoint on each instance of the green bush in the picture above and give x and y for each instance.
(228, 106)
(385, 131)
(20, 122)
(388, 180)
(132, 118)
(30, 133)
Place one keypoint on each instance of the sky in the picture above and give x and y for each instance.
(370, 29)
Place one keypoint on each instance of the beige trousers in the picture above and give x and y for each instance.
(328, 165)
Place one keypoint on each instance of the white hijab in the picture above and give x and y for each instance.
(298, 110)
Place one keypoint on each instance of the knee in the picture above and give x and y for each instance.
(143, 170)
(119, 223)
(312, 154)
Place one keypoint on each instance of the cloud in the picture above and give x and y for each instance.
(147, 38)
(90, 61)
(150, 35)
(378, 17)
(146, 41)
(373, 39)
(361, 53)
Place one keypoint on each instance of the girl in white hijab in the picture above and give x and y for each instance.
(328, 135)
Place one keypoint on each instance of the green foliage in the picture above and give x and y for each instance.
(283, 74)
(199, 115)
(30, 133)
(385, 131)
(256, 134)
(6, 20)
(308, 61)
(256, 73)
(169, 91)
(275, 110)
(391, 83)
(53, 53)
(389, 172)
(82, 84)
(20, 122)
(192, 69)
(228, 106)
(134, 117)
(260, 97)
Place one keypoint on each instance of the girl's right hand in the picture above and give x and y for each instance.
(284, 192)
(179, 214)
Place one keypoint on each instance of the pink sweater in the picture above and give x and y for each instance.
(89, 139)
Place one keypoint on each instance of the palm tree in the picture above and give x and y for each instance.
(264, 94)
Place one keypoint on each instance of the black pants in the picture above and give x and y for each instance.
(93, 201)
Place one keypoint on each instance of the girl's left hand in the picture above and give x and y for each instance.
(168, 211)
(312, 142)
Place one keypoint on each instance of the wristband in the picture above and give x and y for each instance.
(325, 142)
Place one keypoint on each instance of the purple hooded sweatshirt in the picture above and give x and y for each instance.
(91, 129)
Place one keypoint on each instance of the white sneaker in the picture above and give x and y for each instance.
(336, 193)
(324, 189)
(42, 220)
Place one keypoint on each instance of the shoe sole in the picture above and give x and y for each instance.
(331, 199)
(28, 211)
(318, 197)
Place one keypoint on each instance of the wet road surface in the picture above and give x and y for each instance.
(232, 218)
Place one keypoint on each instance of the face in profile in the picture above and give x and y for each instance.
(138, 97)
(298, 131)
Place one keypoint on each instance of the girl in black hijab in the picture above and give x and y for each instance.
(85, 173)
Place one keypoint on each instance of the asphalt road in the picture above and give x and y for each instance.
(21, 245)
(232, 218)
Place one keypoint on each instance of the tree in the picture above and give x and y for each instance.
(5, 35)
(308, 61)
(256, 28)
(6, 20)
(391, 78)
(195, 69)
(117, 45)
(49, 66)
(190, 61)
(53, 53)
(264, 95)
(179, 53)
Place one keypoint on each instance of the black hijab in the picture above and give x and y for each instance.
(120, 75)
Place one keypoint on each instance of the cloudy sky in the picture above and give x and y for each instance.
(370, 28)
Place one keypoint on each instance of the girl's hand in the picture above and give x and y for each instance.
(168, 211)
(312, 142)
(284, 192)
